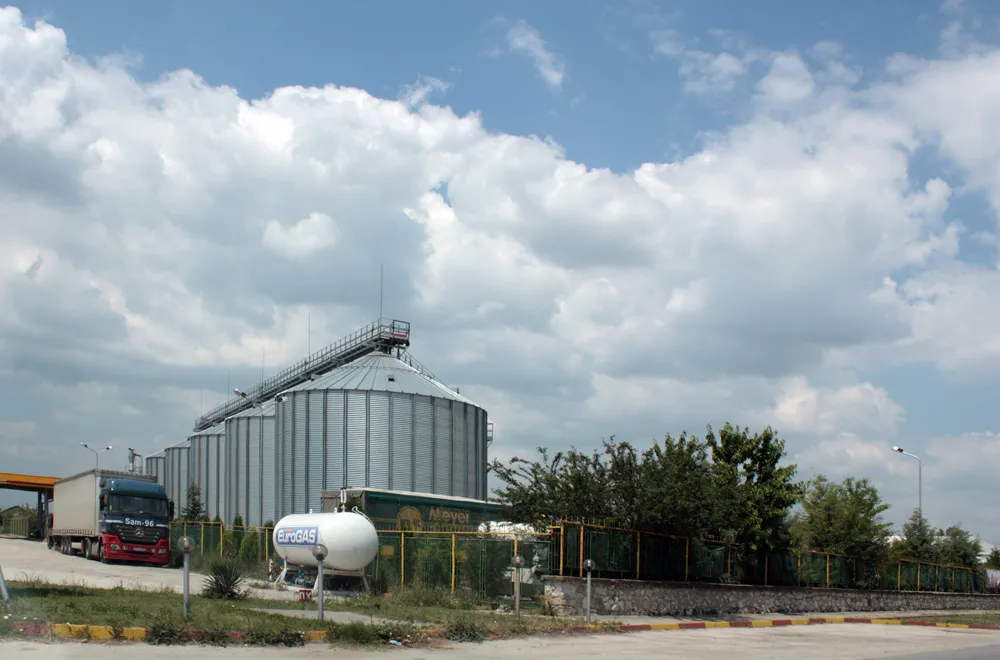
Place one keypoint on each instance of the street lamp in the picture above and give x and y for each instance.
(589, 566)
(319, 551)
(920, 479)
(97, 453)
(186, 545)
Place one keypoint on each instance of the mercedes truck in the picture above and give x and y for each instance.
(111, 516)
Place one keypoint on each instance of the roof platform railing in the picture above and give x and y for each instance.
(381, 335)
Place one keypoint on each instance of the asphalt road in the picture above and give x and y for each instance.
(828, 642)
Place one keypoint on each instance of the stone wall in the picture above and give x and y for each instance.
(632, 597)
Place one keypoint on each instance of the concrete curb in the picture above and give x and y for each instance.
(106, 633)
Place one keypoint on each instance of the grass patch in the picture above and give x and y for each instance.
(161, 611)
(966, 618)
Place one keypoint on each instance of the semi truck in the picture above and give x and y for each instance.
(111, 516)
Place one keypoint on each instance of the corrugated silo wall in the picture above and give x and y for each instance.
(330, 439)
(249, 465)
(154, 467)
(176, 476)
(200, 467)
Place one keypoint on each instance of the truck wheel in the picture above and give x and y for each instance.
(102, 555)
(49, 542)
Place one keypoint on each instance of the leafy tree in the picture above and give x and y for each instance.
(250, 547)
(842, 518)
(677, 494)
(993, 559)
(755, 492)
(194, 510)
(238, 520)
(958, 547)
(918, 541)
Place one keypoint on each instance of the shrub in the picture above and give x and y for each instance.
(250, 548)
(464, 629)
(225, 580)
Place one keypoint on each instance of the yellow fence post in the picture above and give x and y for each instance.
(453, 538)
(638, 553)
(581, 549)
(937, 578)
(953, 588)
(687, 555)
(798, 568)
(514, 576)
(222, 534)
(201, 544)
(828, 571)
(899, 576)
(919, 571)
(402, 558)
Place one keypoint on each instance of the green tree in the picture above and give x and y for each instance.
(193, 510)
(842, 518)
(677, 493)
(250, 547)
(238, 520)
(755, 492)
(918, 542)
(957, 547)
(993, 559)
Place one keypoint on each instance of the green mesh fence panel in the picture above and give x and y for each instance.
(16, 527)
(747, 567)
(428, 562)
(483, 567)
(708, 563)
(888, 575)
(812, 570)
(782, 569)
(384, 573)
(908, 576)
(571, 561)
(946, 579)
(841, 572)
(612, 551)
(928, 577)
(963, 580)
(867, 575)
(662, 558)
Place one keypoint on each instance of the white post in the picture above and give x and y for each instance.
(589, 565)
(3, 588)
(187, 545)
(319, 552)
(518, 562)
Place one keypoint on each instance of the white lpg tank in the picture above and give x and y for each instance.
(350, 539)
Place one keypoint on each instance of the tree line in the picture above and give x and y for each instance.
(731, 486)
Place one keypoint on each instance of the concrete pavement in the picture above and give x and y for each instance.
(844, 642)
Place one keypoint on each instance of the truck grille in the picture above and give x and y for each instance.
(141, 535)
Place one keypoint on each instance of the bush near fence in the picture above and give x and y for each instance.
(477, 565)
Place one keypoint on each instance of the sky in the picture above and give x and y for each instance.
(601, 218)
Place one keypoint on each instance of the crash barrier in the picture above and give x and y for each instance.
(629, 554)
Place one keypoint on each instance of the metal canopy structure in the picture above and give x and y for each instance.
(27, 482)
(381, 335)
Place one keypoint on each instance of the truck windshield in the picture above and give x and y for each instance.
(138, 504)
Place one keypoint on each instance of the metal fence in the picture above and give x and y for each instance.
(16, 527)
(628, 554)
(478, 564)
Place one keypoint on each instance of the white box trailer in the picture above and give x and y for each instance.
(110, 515)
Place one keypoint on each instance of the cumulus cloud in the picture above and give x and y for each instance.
(159, 238)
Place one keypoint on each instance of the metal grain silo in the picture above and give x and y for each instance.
(376, 422)
(175, 475)
(154, 467)
(249, 442)
(203, 445)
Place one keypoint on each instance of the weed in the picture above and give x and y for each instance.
(464, 629)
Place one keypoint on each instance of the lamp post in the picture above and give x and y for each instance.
(319, 552)
(97, 453)
(588, 566)
(518, 562)
(920, 479)
(186, 544)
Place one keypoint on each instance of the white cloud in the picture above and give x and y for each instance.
(416, 94)
(316, 231)
(522, 38)
(168, 233)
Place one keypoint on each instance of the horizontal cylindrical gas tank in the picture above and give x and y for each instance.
(350, 539)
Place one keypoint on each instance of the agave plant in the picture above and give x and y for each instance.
(225, 579)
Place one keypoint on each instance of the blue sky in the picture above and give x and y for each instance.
(632, 85)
